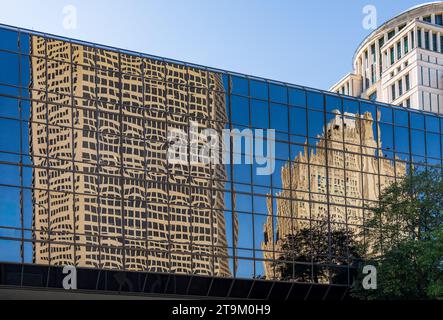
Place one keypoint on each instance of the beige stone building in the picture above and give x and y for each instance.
(401, 62)
(105, 195)
(345, 172)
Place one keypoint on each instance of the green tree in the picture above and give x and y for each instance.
(404, 240)
(317, 255)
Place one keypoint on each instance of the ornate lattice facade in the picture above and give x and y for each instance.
(105, 195)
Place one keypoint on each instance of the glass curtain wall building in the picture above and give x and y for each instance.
(86, 180)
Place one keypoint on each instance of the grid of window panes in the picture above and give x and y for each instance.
(84, 177)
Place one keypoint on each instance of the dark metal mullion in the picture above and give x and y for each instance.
(410, 144)
(308, 158)
(231, 163)
(440, 140)
(410, 131)
(394, 152)
(291, 191)
(362, 121)
(394, 144)
(345, 171)
(47, 153)
(121, 154)
(328, 204)
(166, 113)
(274, 214)
(145, 170)
(425, 135)
(74, 171)
(379, 159)
(212, 255)
(98, 173)
(251, 171)
(441, 146)
(191, 208)
(22, 244)
(189, 177)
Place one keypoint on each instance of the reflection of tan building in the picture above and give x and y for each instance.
(120, 204)
(343, 198)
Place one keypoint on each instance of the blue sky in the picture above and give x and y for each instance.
(304, 42)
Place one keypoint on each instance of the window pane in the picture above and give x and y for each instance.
(351, 106)
(417, 121)
(433, 145)
(9, 204)
(278, 93)
(333, 103)
(418, 142)
(245, 239)
(385, 114)
(315, 100)
(279, 117)
(9, 250)
(401, 140)
(8, 40)
(240, 110)
(259, 114)
(401, 118)
(297, 121)
(9, 68)
(9, 108)
(242, 172)
(25, 41)
(25, 75)
(432, 124)
(297, 97)
(386, 137)
(239, 86)
(316, 123)
(259, 89)
(9, 135)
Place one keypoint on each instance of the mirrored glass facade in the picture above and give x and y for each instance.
(86, 176)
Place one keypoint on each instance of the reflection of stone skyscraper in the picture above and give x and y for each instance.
(346, 190)
(105, 196)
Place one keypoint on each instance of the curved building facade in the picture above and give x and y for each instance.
(401, 62)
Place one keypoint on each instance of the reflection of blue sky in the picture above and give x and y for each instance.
(217, 34)
(311, 122)
(293, 123)
(9, 65)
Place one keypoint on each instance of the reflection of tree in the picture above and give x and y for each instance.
(404, 239)
(346, 169)
(308, 253)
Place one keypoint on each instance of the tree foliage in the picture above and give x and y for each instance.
(404, 240)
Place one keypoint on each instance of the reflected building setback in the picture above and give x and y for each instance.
(322, 191)
(104, 193)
